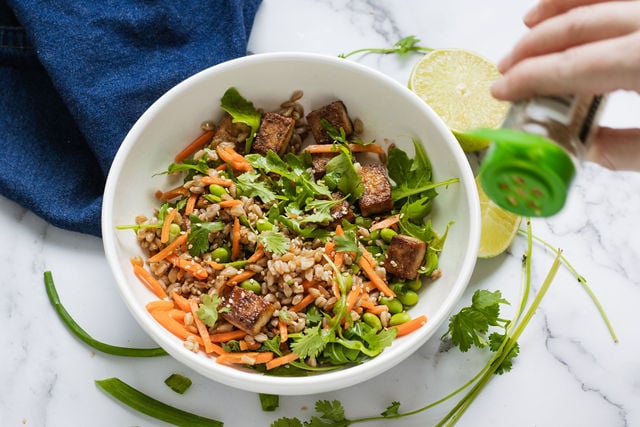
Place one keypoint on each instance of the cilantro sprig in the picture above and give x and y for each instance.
(401, 47)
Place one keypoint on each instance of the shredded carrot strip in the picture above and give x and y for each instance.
(188, 265)
(284, 331)
(231, 156)
(177, 242)
(228, 336)
(215, 265)
(304, 302)
(385, 223)
(329, 249)
(159, 305)
(335, 288)
(221, 167)
(257, 255)
(355, 148)
(202, 329)
(240, 277)
(230, 203)
(235, 241)
(180, 301)
(191, 204)
(377, 309)
(149, 281)
(246, 357)
(177, 314)
(339, 257)
(375, 279)
(166, 225)
(222, 182)
(353, 296)
(244, 346)
(173, 193)
(410, 326)
(367, 256)
(173, 326)
(282, 360)
(136, 260)
(197, 144)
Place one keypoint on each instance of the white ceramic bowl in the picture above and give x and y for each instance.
(388, 110)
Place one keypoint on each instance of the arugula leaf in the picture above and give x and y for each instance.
(342, 172)
(198, 239)
(274, 241)
(470, 326)
(241, 111)
(248, 185)
(208, 310)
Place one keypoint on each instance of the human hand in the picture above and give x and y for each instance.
(579, 47)
(583, 47)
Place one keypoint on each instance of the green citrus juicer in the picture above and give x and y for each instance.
(524, 173)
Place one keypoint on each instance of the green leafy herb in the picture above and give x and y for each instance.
(401, 47)
(241, 111)
(208, 310)
(141, 402)
(249, 185)
(269, 402)
(311, 341)
(200, 166)
(178, 383)
(392, 410)
(274, 241)
(82, 335)
(347, 243)
(198, 239)
(321, 211)
(341, 171)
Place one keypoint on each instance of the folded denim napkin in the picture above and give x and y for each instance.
(75, 76)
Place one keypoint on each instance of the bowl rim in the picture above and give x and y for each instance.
(253, 381)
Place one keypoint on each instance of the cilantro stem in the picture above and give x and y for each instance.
(583, 282)
(84, 336)
(401, 47)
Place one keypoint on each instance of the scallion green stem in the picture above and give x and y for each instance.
(141, 402)
(84, 336)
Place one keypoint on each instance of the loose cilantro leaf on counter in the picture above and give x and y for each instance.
(401, 47)
(269, 402)
(241, 111)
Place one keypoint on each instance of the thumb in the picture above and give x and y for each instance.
(616, 149)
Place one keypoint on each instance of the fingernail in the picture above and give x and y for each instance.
(531, 17)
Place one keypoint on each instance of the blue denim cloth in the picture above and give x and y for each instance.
(74, 77)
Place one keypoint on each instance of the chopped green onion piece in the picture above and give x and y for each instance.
(154, 408)
(269, 402)
(178, 383)
(84, 336)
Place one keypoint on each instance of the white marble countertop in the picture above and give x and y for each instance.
(569, 372)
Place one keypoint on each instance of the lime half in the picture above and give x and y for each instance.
(455, 83)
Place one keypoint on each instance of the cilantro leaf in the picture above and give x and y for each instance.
(311, 341)
(392, 410)
(274, 241)
(331, 411)
(470, 325)
(347, 243)
(248, 185)
(198, 239)
(495, 341)
(208, 309)
(241, 111)
(322, 210)
(286, 422)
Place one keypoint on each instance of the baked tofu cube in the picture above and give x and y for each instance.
(336, 114)
(247, 311)
(231, 132)
(275, 133)
(405, 256)
(376, 197)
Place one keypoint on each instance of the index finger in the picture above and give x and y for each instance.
(549, 8)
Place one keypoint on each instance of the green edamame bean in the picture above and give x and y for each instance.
(399, 318)
(374, 235)
(387, 234)
(408, 298)
(395, 306)
(415, 284)
(251, 285)
(374, 250)
(372, 320)
(263, 225)
(221, 254)
(217, 190)
(363, 221)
